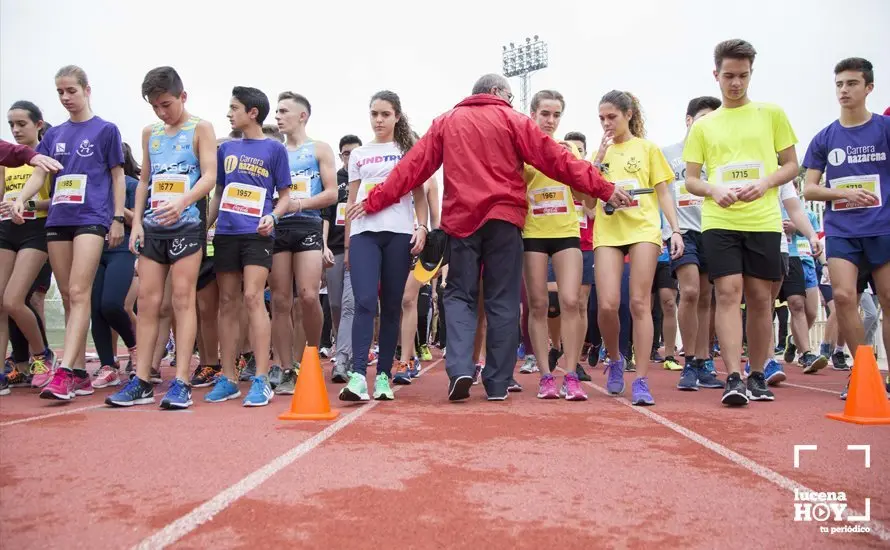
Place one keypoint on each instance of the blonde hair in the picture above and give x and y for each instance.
(76, 72)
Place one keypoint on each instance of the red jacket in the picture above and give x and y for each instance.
(483, 144)
(13, 156)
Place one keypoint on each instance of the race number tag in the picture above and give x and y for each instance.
(685, 199)
(548, 201)
(803, 248)
(739, 175)
(366, 186)
(167, 188)
(826, 277)
(341, 214)
(240, 198)
(582, 215)
(10, 197)
(70, 189)
(629, 185)
(871, 182)
(299, 187)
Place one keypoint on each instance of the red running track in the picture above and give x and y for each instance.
(420, 472)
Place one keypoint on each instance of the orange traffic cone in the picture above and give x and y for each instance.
(866, 398)
(310, 400)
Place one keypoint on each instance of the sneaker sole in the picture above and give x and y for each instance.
(461, 388)
(497, 398)
(384, 397)
(46, 394)
(5, 391)
(776, 378)
(547, 396)
(819, 364)
(642, 403)
(346, 395)
(167, 405)
(735, 399)
(108, 385)
(514, 389)
(143, 401)
(689, 388)
(261, 404)
(753, 397)
(285, 391)
(235, 395)
(90, 391)
(576, 397)
(401, 380)
(714, 386)
(202, 384)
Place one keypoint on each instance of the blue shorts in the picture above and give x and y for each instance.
(551, 275)
(587, 267)
(827, 294)
(693, 253)
(809, 275)
(867, 253)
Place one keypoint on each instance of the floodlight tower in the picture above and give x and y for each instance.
(522, 61)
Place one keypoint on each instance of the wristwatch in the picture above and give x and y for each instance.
(119, 219)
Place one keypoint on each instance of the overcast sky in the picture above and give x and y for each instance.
(430, 53)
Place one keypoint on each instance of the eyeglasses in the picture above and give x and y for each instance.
(509, 97)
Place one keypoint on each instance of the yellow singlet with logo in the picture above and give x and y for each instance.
(551, 207)
(739, 146)
(635, 164)
(15, 181)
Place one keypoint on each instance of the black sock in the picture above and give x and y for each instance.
(80, 373)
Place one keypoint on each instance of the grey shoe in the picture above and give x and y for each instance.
(288, 382)
(248, 372)
(340, 374)
(275, 375)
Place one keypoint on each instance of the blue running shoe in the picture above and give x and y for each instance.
(260, 392)
(179, 396)
(773, 373)
(615, 383)
(414, 368)
(222, 390)
(136, 392)
(688, 378)
(709, 366)
(640, 392)
(706, 378)
(520, 353)
(748, 368)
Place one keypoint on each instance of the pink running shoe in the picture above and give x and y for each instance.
(107, 376)
(571, 388)
(82, 386)
(547, 388)
(43, 367)
(60, 387)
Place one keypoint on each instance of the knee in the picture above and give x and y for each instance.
(640, 306)
(796, 305)
(183, 300)
(689, 296)
(538, 305)
(13, 304)
(309, 300)
(282, 302)
(568, 303)
(409, 302)
(607, 308)
(79, 294)
(729, 295)
(669, 307)
(254, 300)
(845, 297)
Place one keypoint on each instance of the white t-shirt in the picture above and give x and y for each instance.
(786, 191)
(371, 164)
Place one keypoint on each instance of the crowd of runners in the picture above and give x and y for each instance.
(544, 251)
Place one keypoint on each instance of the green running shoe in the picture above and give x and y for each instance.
(356, 389)
(382, 389)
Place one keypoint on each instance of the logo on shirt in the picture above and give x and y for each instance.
(85, 149)
(230, 164)
(855, 155)
(60, 148)
(155, 145)
(632, 166)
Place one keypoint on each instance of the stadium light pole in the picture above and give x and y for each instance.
(522, 61)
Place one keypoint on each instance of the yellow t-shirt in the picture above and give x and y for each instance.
(551, 206)
(15, 180)
(739, 146)
(635, 164)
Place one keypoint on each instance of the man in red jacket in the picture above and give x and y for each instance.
(483, 144)
(13, 156)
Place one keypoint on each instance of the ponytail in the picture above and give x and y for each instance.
(626, 101)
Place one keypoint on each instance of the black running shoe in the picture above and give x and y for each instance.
(839, 361)
(459, 388)
(553, 358)
(582, 374)
(790, 350)
(735, 394)
(757, 388)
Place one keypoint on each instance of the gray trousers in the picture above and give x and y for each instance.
(869, 305)
(342, 300)
(496, 249)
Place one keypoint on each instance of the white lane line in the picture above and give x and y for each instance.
(50, 415)
(181, 527)
(878, 529)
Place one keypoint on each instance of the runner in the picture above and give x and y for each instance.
(299, 242)
(249, 170)
(741, 219)
(852, 152)
(23, 256)
(380, 244)
(339, 281)
(87, 204)
(552, 233)
(631, 162)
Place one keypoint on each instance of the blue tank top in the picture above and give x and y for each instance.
(305, 179)
(174, 171)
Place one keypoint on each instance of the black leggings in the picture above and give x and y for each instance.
(423, 316)
(326, 326)
(110, 287)
(20, 348)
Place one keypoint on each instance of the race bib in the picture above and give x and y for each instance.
(629, 185)
(826, 278)
(240, 198)
(70, 189)
(548, 201)
(685, 199)
(167, 188)
(871, 182)
(366, 186)
(582, 215)
(341, 214)
(739, 175)
(803, 248)
(10, 197)
(299, 187)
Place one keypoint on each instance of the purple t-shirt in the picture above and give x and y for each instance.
(848, 157)
(248, 173)
(82, 192)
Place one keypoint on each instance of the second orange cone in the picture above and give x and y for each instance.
(310, 399)
(866, 398)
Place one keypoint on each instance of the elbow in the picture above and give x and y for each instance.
(808, 190)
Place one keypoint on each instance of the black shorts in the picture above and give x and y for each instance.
(551, 246)
(693, 252)
(234, 252)
(68, 232)
(298, 236)
(784, 265)
(43, 280)
(794, 283)
(750, 253)
(31, 234)
(169, 250)
(206, 274)
(664, 278)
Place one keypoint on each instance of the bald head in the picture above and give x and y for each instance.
(490, 81)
